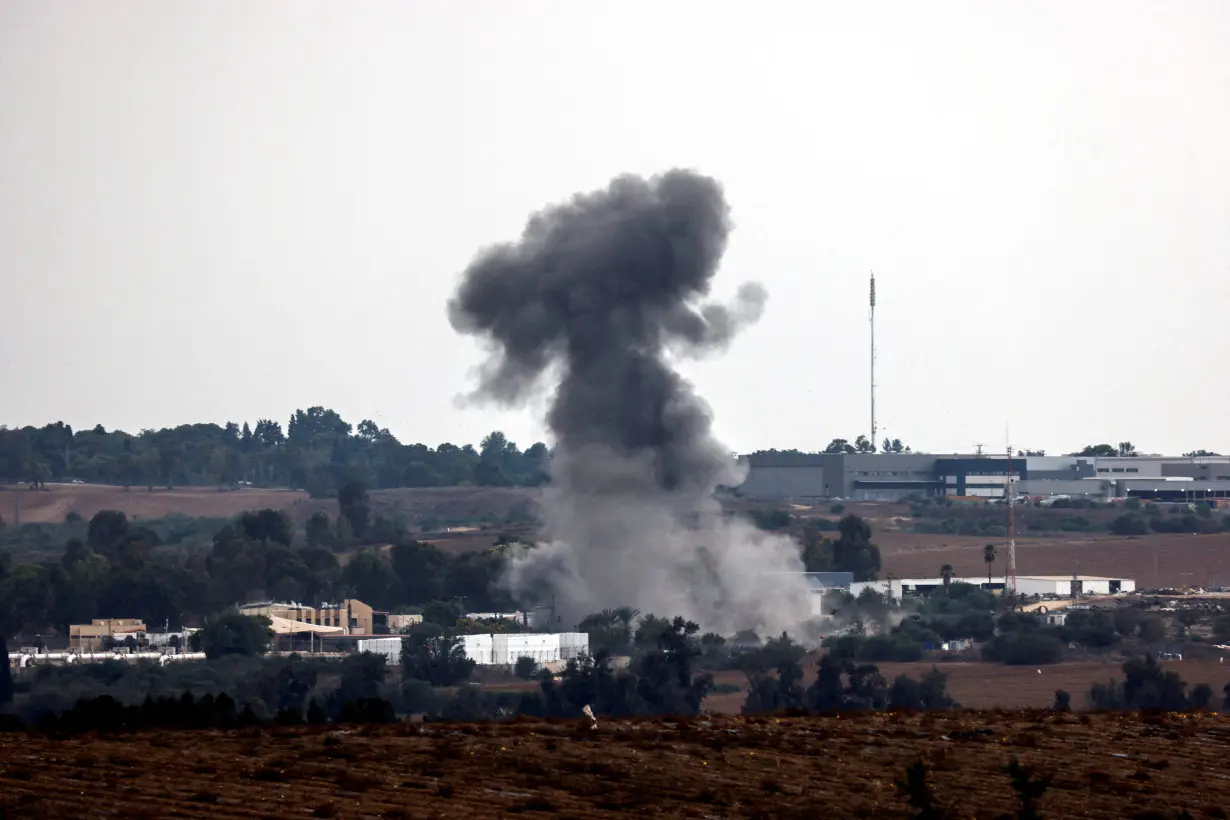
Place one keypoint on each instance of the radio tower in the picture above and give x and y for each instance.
(873, 361)
(1010, 581)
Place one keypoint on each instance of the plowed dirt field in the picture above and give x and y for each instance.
(1109, 766)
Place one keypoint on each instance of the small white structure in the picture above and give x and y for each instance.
(504, 649)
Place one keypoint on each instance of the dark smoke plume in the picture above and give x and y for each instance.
(597, 296)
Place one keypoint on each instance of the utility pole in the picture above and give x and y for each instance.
(873, 362)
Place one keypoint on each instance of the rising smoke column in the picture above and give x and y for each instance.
(598, 295)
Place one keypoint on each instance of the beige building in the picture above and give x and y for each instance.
(400, 623)
(350, 617)
(91, 637)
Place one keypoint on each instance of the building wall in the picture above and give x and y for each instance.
(93, 636)
(892, 476)
(390, 648)
(778, 477)
(1091, 488)
(353, 616)
(505, 649)
(1200, 470)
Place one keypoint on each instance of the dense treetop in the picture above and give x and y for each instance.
(318, 451)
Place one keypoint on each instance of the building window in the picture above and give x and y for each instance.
(1132, 470)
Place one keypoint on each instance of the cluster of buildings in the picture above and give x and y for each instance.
(505, 649)
(1042, 586)
(894, 476)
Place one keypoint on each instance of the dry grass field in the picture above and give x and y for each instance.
(1103, 766)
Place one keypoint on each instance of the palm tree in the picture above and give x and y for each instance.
(626, 615)
(988, 555)
(946, 574)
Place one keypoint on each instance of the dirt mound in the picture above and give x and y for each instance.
(1110, 766)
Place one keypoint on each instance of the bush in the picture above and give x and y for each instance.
(1024, 649)
(1129, 525)
(525, 667)
(235, 634)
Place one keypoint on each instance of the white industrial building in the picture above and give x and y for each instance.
(503, 650)
(1059, 585)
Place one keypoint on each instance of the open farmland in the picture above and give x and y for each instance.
(1106, 766)
(978, 685)
(1152, 560)
(442, 504)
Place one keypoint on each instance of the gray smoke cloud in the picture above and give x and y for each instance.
(598, 297)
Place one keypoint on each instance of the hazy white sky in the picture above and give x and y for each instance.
(227, 210)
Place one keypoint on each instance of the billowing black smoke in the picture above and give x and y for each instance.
(599, 295)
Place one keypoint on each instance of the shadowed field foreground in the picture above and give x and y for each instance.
(1111, 766)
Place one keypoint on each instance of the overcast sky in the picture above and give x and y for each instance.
(228, 210)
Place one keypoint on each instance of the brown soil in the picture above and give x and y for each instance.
(1107, 766)
(977, 685)
(1151, 560)
(52, 505)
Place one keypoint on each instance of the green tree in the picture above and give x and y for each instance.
(525, 667)
(355, 507)
(318, 531)
(988, 555)
(235, 634)
(946, 574)
(853, 550)
(441, 661)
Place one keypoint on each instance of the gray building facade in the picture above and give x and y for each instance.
(806, 477)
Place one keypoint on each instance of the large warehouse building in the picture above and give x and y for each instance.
(893, 476)
(1058, 585)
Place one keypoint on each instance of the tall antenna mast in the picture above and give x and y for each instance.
(873, 362)
(1010, 581)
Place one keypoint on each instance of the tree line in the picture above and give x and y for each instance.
(318, 451)
(121, 568)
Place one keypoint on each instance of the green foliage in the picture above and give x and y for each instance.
(1130, 524)
(235, 634)
(662, 680)
(355, 507)
(611, 630)
(525, 667)
(1146, 685)
(917, 793)
(117, 569)
(1024, 648)
(853, 550)
(771, 520)
(319, 452)
(1029, 788)
(441, 661)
